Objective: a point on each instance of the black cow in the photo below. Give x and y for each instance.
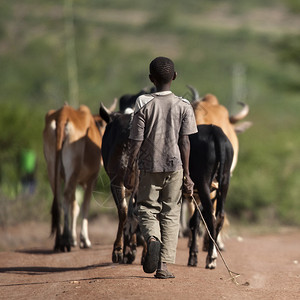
(210, 161)
(128, 100)
(115, 157)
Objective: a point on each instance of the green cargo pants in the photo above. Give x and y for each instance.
(159, 203)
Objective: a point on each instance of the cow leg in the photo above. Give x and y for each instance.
(187, 211)
(56, 209)
(183, 226)
(222, 234)
(194, 225)
(56, 218)
(68, 204)
(56, 226)
(204, 193)
(84, 236)
(130, 245)
(131, 230)
(220, 242)
(191, 208)
(220, 214)
(66, 238)
(206, 238)
(74, 215)
(57, 246)
(211, 258)
(130, 240)
(220, 210)
(119, 197)
(131, 236)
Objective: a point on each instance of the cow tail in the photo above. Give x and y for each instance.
(221, 157)
(55, 211)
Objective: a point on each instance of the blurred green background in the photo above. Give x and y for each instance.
(238, 50)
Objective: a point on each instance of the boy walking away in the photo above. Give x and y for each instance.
(159, 140)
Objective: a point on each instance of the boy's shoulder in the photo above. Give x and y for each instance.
(185, 100)
(144, 99)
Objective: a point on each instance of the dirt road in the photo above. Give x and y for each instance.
(269, 268)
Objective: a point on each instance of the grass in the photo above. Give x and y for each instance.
(115, 41)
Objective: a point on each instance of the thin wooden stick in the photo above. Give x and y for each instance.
(233, 275)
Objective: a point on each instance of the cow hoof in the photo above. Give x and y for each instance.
(117, 256)
(58, 245)
(192, 263)
(56, 249)
(73, 242)
(211, 263)
(193, 260)
(65, 242)
(64, 248)
(211, 266)
(129, 257)
(85, 243)
(221, 246)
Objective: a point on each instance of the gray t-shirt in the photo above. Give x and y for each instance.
(158, 121)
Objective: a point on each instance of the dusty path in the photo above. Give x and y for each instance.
(269, 266)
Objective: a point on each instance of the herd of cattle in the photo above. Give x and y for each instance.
(77, 143)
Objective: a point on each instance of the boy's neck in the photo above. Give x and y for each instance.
(163, 87)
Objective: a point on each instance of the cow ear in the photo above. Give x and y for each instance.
(104, 113)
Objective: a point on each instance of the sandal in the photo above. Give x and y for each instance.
(162, 274)
(152, 255)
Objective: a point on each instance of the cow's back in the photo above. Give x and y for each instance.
(80, 145)
(203, 160)
(114, 145)
(209, 111)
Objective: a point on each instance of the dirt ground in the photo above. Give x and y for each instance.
(269, 268)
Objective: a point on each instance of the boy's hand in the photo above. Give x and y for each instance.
(188, 186)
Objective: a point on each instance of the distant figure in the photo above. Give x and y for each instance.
(27, 168)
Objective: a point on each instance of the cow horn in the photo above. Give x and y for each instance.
(104, 113)
(194, 93)
(241, 114)
(241, 127)
(114, 105)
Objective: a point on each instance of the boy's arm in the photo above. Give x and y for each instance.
(184, 147)
(133, 150)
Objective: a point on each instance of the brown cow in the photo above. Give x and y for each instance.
(72, 148)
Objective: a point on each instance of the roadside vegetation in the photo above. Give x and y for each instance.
(246, 51)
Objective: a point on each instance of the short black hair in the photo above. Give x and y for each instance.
(162, 68)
